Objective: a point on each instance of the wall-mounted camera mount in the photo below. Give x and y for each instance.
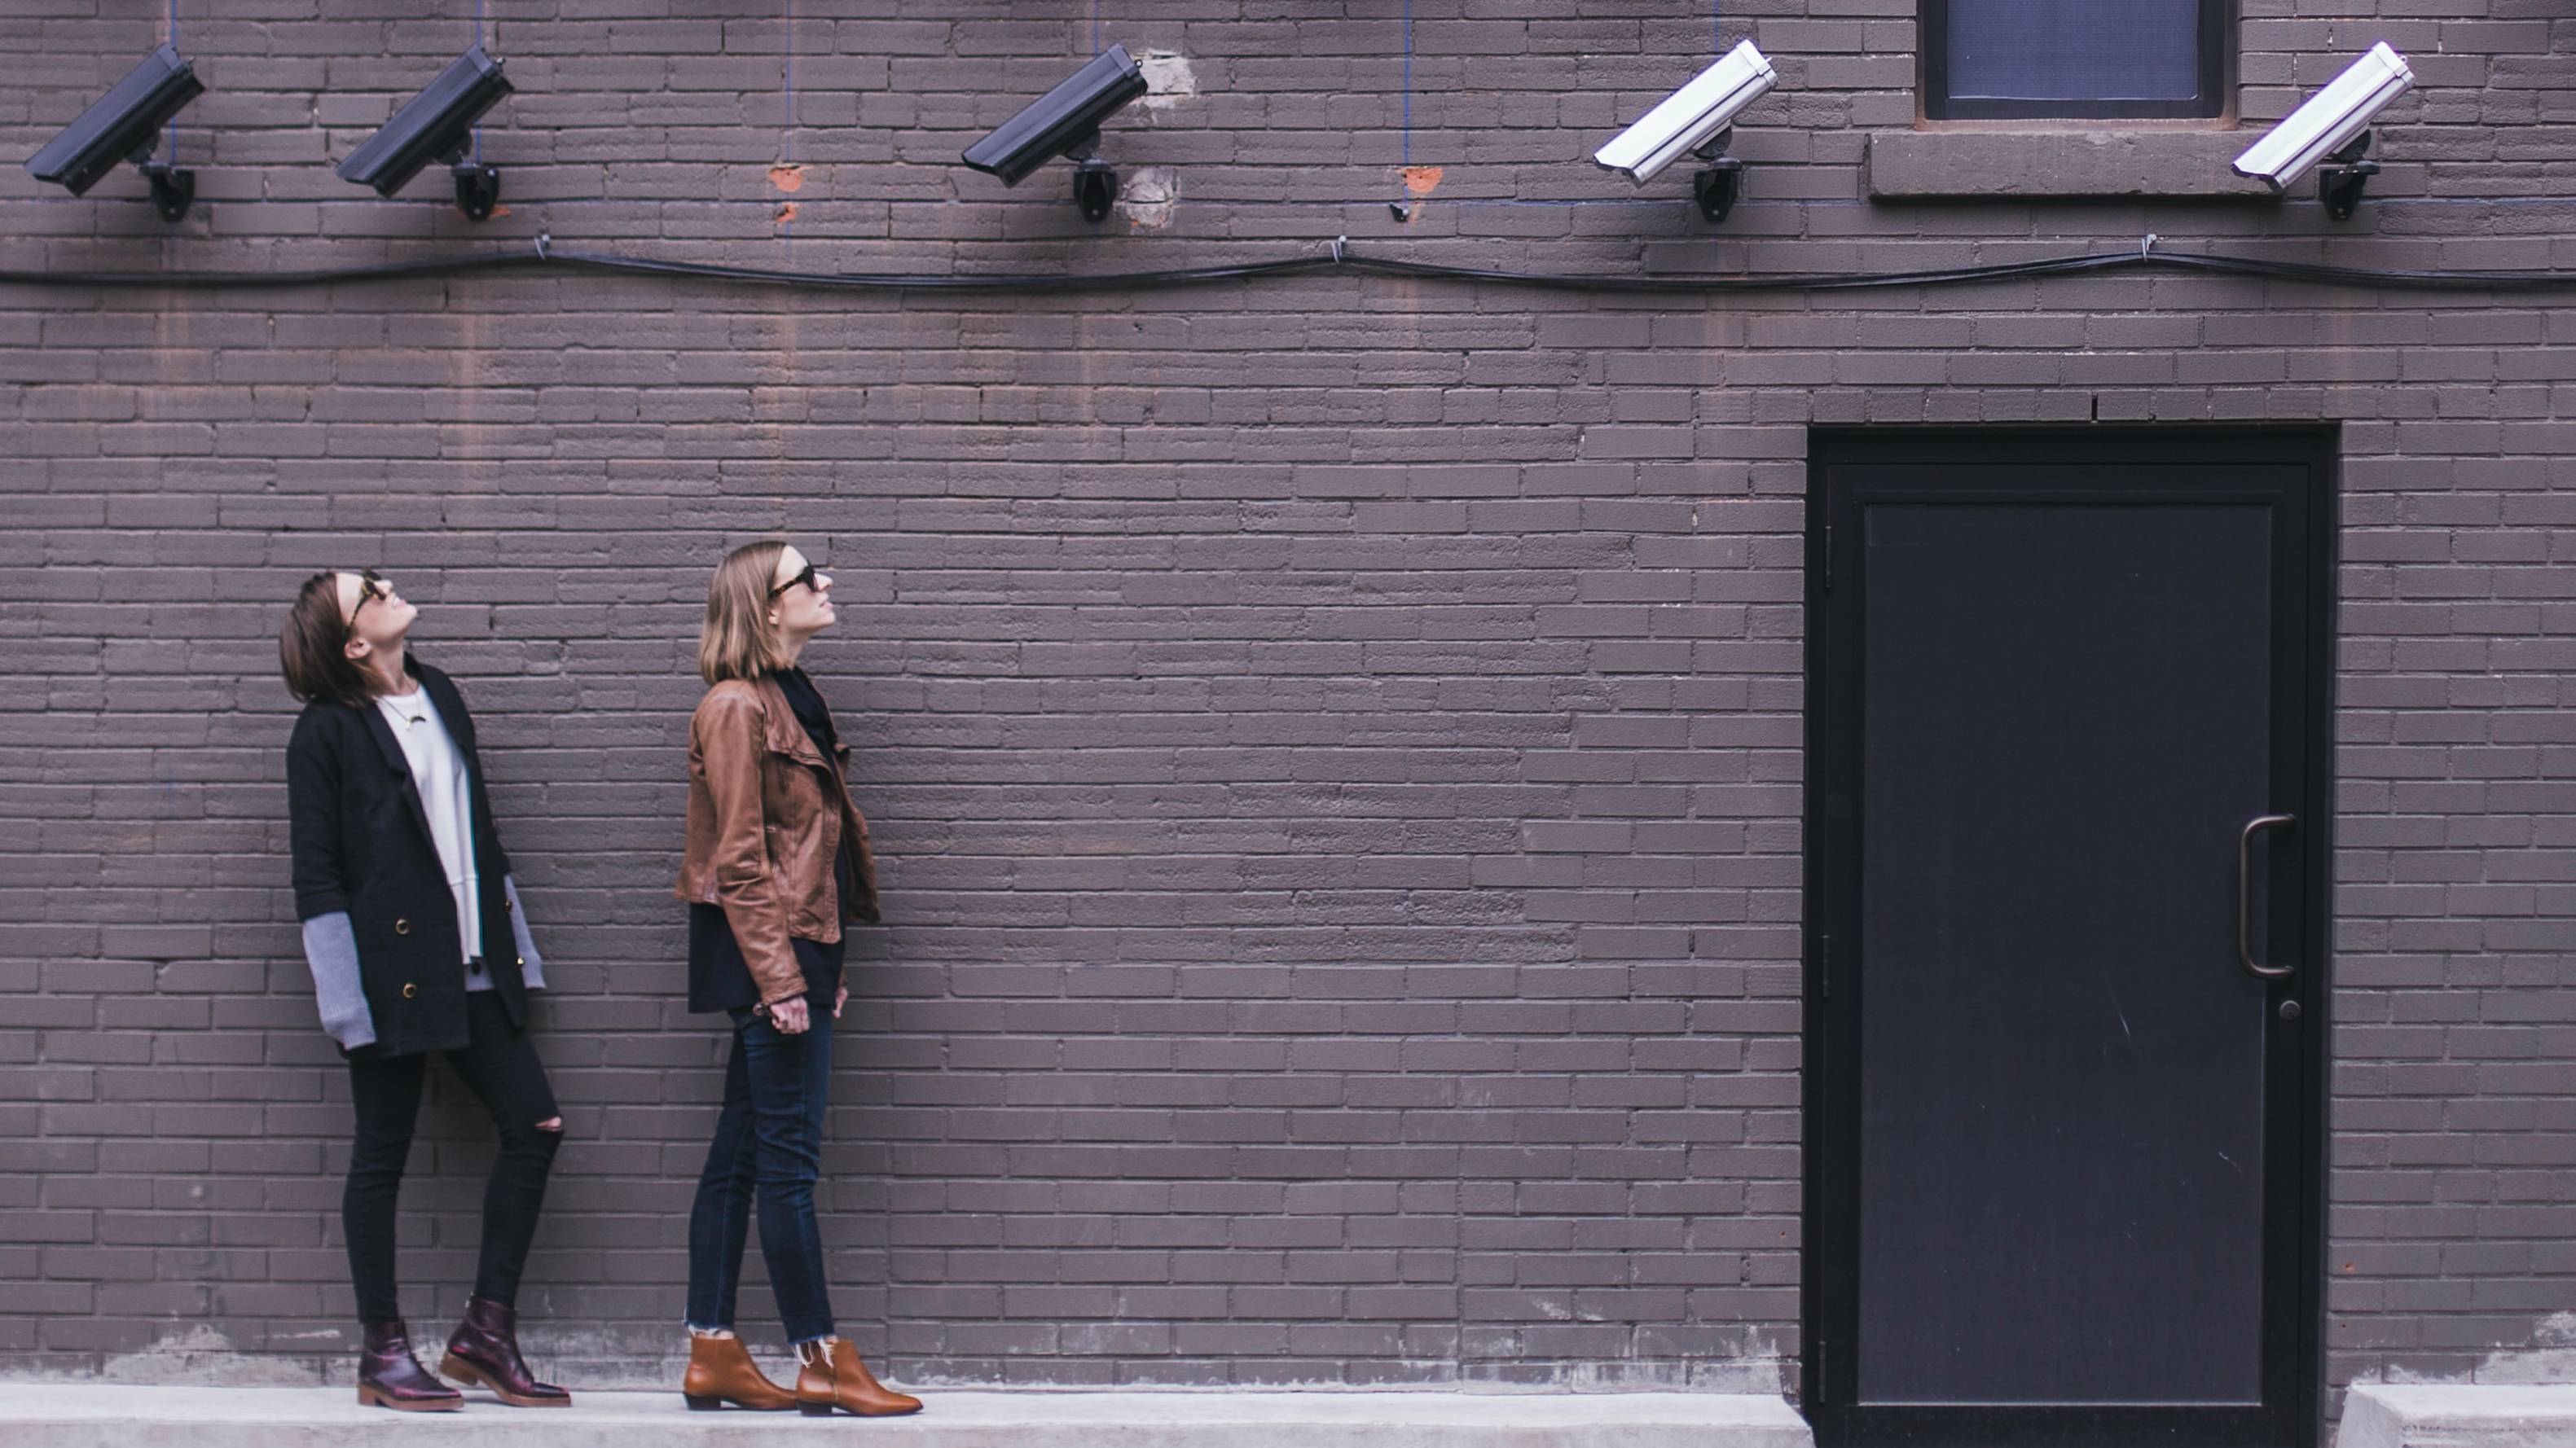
(2341, 179)
(478, 187)
(1095, 182)
(1720, 180)
(120, 127)
(173, 187)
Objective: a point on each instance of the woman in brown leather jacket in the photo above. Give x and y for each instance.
(777, 862)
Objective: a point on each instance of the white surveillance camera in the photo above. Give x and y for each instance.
(1690, 117)
(2328, 121)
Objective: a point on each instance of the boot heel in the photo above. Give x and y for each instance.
(815, 1410)
(377, 1398)
(700, 1404)
(458, 1368)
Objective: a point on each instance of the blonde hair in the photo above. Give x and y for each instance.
(736, 641)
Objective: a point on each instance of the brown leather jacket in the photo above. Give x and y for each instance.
(767, 815)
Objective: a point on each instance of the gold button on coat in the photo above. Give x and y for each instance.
(402, 927)
(523, 961)
(410, 990)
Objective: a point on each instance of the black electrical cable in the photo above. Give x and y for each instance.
(433, 266)
(947, 282)
(1771, 282)
(2142, 259)
(1339, 260)
(2322, 275)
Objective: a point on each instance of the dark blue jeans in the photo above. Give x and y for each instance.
(769, 1135)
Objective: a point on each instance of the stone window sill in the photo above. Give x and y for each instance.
(2018, 165)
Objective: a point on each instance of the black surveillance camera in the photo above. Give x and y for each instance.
(437, 125)
(121, 127)
(1066, 122)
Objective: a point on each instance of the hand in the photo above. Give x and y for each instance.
(839, 1001)
(789, 1016)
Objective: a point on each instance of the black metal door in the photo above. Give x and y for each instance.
(2067, 814)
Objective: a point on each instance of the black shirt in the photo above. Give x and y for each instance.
(816, 716)
(719, 978)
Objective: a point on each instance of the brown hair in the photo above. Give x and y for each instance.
(312, 649)
(736, 642)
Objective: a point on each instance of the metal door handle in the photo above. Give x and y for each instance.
(2245, 895)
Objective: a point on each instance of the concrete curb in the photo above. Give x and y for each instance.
(101, 1416)
(2443, 1415)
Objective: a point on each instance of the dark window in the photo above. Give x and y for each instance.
(2080, 58)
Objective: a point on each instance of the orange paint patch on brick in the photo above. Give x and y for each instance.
(1421, 179)
(789, 179)
(786, 212)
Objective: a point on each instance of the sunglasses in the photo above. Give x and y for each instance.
(804, 576)
(370, 587)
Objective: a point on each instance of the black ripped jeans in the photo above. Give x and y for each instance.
(500, 1066)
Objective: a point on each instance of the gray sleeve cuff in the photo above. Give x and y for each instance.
(331, 949)
(532, 966)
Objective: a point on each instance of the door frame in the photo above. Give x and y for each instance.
(1828, 1286)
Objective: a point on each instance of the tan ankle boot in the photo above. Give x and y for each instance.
(834, 1378)
(721, 1371)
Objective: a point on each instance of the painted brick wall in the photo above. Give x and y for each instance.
(1334, 744)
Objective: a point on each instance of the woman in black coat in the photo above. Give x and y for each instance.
(413, 931)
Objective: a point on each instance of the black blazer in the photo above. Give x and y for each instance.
(362, 844)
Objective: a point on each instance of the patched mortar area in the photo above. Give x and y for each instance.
(1168, 78)
(1146, 196)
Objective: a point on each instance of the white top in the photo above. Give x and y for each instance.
(444, 794)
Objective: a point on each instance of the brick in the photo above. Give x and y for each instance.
(1335, 745)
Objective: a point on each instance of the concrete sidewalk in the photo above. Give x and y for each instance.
(52, 1415)
(2464, 1415)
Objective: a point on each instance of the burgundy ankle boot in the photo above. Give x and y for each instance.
(485, 1351)
(390, 1377)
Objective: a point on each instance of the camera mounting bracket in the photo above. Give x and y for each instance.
(2341, 179)
(1095, 188)
(1095, 181)
(173, 187)
(478, 187)
(1717, 185)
